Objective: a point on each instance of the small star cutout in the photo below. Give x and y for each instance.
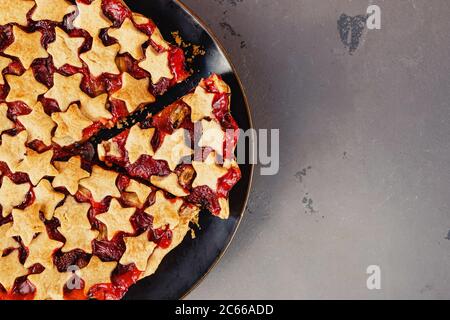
(97, 272)
(139, 143)
(6, 242)
(66, 90)
(157, 64)
(12, 195)
(15, 13)
(26, 224)
(213, 136)
(141, 192)
(12, 149)
(4, 63)
(26, 46)
(201, 103)
(138, 250)
(101, 59)
(134, 92)
(95, 108)
(24, 88)
(170, 184)
(64, 49)
(37, 165)
(41, 251)
(47, 10)
(70, 126)
(75, 225)
(69, 174)
(164, 211)
(130, 39)
(38, 124)
(91, 18)
(47, 198)
(101, 184)
(117, 219)
(5, 123)
(208, 172)
(10, 270)
(50, 283)
(173, 149)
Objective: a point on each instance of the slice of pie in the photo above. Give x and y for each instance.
(71, 227)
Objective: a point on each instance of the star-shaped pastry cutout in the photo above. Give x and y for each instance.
(138, 250)
(69, 174)
(75, 225)
(165, 211)
(134, 92)
(26, 46)
(4, 63)
(117, 219)
(15, 12)
(141, 192)
(213, 136)
(41, 251)
(173, 149)
(170, 184)
(10, 270)
(101, 184)
(47, 10)
(37, 165)
(12, 195)
(91, 17)
(101, 59)
(12, 149)
(6, 242)
(38, 124)
(5, 123)
(208, 172)
(97, 272)
(66, 90)
(47, 198)
(95, 108)
(50, 283)
(201, 103)
(64, 49)
(70, 126)
(157, 64)
(26, 224)
(139, 143)
(24, 88)
(130, 39)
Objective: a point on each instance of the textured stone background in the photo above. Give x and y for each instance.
(365, 150)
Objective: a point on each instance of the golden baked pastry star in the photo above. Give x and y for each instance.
(37, 165)
(101, 183)
(201, 103)
(69, 174)
(15, 12)
(134, 92)
(47, 198)
(38, 124)
(97, 272)
(165, 211)
(139, 143)
(173, 148)
(138, 250)
(117, 219)
(47, 10)
(157, 64)
(12, 195)
(26, 224)
(70, 126)
(64, 49)
(91, 18)
(10, 270)
(208, 172)
(24, 88)
(130, 39)
(101, 59)
(66, 90)
(41, 251)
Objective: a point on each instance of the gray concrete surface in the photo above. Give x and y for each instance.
(373, 129)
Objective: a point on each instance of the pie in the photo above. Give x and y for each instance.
(81, 220)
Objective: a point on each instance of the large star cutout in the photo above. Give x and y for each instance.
(138, 250)
(165, 211)
(130, 39)
(50, 283)
(41, 251)
(97, 272)
(5, 123)
(213, 136)
(6, 242)
(10, 270)
(15, 13)
(66, 90)
(38, 124)
(12, 195)
(117, 219)
(64, 49)
(37, 165)
(134, 92)
(47, 10)
(26, 224)
(101, 59)
(170, 184)
(70, 126)
(47, 198)
(4, 63)
(157, 64)
(95, 108)
(75, 225)
(26, 46)
(201, 103)
(24, 88)
(208, 172)
(69, 174)
(12, 149)
(173, 149)
(101, 184)
(91, 18)
(139, 143)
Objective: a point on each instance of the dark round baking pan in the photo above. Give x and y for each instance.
(183, 269)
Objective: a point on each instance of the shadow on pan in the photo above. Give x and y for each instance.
(186, 266)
